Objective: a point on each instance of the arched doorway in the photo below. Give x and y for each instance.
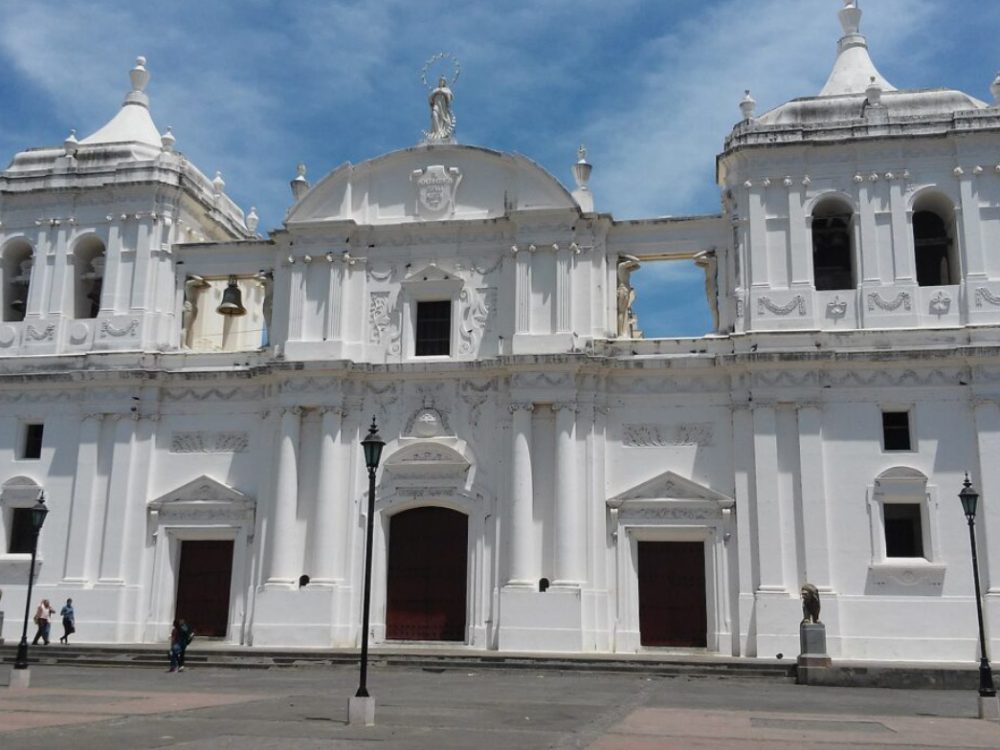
(427, 575)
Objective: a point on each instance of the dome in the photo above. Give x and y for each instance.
(855, 81)
(432, 182)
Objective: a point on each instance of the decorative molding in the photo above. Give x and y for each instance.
(477, 306)
(902, 300)
(667, 512)
(655, 436)
(764, 304)
(940, 304)
(836, 309)
(378, 316)
(209, 442)
(110, 329)
(427, 422)
(516, 406)
(985, 295)
(33, 334)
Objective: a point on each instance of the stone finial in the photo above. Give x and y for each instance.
(850, 17)
(218, 184)
(253, 220)
(300, 185)
(995, 89)
(582, 169)
(168, 140)
(748, 106)
(874, 93)
(139, 74)
(71, 144)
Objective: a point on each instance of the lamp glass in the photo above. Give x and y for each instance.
(969, 498)
(373, 445)
(38, 512)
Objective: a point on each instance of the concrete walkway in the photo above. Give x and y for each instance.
(440, 709)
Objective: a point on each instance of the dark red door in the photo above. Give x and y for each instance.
(425, 596)
(672, 594)
(206, 572)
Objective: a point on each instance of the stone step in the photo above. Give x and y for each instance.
(245, 658)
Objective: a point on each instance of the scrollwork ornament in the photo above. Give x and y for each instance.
(516, 406)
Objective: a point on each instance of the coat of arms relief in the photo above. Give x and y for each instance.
(436, 189)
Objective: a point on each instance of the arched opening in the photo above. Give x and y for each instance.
(427, 575)
(16, 264)
(934, 241)
(833, 249)
(89, 257)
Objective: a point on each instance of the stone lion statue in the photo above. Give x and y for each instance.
(810, 603)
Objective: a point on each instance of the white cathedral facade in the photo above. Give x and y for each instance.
(551, 481)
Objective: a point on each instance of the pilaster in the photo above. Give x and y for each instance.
(82, 499)
(970, 227)
(282, 569)
(570, 531)
(520, 529)
(812, 481)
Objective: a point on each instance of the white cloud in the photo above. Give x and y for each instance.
(654, 149)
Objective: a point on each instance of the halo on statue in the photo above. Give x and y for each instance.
(437, 66)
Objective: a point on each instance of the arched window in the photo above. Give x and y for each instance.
(89, 283)
(934, 242)
(833, 250)
(16, 264)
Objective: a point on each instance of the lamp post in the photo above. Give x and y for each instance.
(970, 498)
(38, 513)
(362, 706)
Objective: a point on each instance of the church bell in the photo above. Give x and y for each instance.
(232, 300)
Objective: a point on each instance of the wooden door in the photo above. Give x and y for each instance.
(672, 594)
(427, 574)
(203, 584)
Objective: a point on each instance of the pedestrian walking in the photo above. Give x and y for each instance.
(42, 616)
(175, 646)
(186, 636)
(69, 621)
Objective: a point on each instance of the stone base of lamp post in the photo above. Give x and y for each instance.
(20, 679)
(989, 708)
(361, 711)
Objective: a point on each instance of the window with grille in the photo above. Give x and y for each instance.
(433, 329)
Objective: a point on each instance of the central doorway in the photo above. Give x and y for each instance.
(203, 584)
(427, 575)
(672, 608)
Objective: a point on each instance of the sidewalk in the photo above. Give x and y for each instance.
(462, 708)
(917, 675)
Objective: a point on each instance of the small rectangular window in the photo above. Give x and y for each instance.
(21, 534)
(896, 431)
(32, 441)
(904, 536)
(433, 329)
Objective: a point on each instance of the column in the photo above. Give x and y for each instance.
(869, 250)
(799, 239)
(332, 497)
(765, 446)
(522, 291)
(282, 569)
(520, 529)
(987, 414)
(813, 488)
(743, 462)
(35, 304)
(969, 229)
(82, 499)
(122, 464)
(564, 261)
(902, 233)
(296, 299)
(139, 294)
(112, 269)
(759, 274)
(571, 529)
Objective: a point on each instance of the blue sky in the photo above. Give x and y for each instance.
(253, 87)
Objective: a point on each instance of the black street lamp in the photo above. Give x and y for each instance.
(970, 498)
(38, 513)
(373, 444)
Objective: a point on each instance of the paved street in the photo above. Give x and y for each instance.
(305, 707)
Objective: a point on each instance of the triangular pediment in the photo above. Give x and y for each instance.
(670, 487)
(203, 492)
